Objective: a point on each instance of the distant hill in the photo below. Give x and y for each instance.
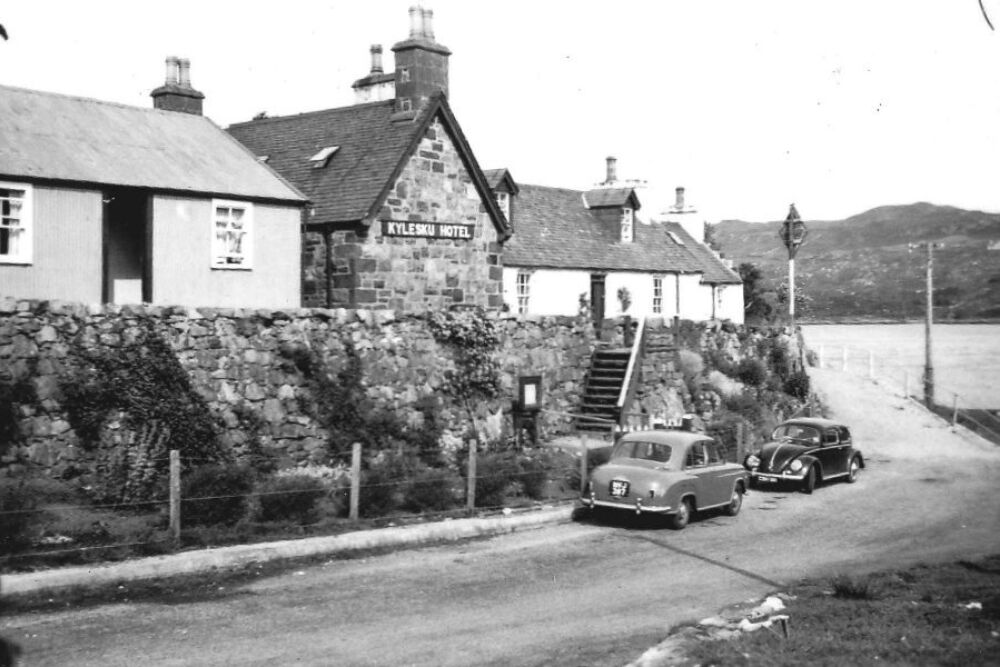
(862, 267)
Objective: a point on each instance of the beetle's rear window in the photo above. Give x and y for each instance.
(637, 449)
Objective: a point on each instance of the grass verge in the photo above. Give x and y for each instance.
(927, 615)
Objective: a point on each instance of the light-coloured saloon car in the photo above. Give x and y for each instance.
(672, 473)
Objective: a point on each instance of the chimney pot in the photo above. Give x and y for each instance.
(416, 22)
(680, 199)
(376, 52)
(172, 71)
(612, 170)
(185, 72)
(428, 20)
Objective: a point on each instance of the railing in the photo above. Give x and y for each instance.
(909, 383)
(630, 382)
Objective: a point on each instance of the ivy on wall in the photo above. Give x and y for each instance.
(131, 404)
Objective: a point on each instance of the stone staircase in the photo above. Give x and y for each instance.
(603, 387)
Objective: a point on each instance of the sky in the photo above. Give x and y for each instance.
(836, 105)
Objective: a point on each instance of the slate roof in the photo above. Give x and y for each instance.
(556, 230)
(48, 136)
(373, 148)
(494, 177)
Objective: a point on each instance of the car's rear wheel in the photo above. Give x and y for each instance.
(809, 483)
(853, 470)
(736, 502)
(683, 515)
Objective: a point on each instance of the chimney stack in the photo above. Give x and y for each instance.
(421, 65)
(376, 51)
(176, 93)
(612, 170)
(679, 204)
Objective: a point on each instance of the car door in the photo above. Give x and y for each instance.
(832, 453)
(713, 478)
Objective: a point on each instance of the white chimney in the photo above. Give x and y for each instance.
(428, 16)
(680, 199)
(173, 72)
(184, 76)
(416, 22)
(612, 170)
(376, 52)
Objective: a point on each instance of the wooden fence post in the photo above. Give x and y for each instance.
(355, 481)
(470, 489)
(954, 409)
(584, 450)
(175, 495)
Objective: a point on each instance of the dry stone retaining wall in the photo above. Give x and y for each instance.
(239, 360)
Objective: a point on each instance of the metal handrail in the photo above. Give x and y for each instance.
(630, 371)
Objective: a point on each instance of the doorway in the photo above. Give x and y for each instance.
(126, 247)
(597, 299)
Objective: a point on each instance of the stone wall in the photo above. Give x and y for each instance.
(238, 361)
(370, 270)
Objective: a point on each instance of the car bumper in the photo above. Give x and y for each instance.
(769, 477)
(638, 507)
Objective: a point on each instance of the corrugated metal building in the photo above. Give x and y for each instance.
(103, 202)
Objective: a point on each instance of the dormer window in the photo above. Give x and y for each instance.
(503, 201)
(322, 158)
(628, 218)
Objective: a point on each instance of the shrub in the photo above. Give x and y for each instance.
(848, 588)
(751, 372)
(17, 516)
(432, 489)
(494, 474)
(725, 385)
(533, 473)
(13, 395)
(216, 494)
(797, 385)
(383, 483)
(290, 498)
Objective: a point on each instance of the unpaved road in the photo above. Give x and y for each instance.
(573, 594)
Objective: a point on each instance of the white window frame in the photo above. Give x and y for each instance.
(503, 201)
(628, 225)
(25, 225)
(523, 291)
(220, 255)
(657, 295)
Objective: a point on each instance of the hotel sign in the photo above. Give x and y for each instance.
(427, 230)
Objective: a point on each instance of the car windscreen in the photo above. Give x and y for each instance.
(639, 449)
(797, 433)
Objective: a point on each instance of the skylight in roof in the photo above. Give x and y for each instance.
(676, 239)
(263, 158)
(321, 158)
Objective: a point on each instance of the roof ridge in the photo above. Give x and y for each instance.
(94, 100)
(315, 112)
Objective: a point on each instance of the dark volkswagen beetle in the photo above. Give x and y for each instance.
(806, 451)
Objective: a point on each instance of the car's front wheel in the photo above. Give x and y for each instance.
(735, 503)
(809, 483)
(683, 515)
(853, 470)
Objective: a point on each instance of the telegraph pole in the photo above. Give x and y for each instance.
(928, 362)
(793, 234)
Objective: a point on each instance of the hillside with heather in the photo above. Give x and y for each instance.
(864, 267)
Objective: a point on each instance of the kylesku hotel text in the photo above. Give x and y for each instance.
(431, 230)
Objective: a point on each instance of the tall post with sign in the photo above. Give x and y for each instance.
(928, 357)
(793, 234)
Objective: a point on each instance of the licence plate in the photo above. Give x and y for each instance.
(766, 480)
(619, 488)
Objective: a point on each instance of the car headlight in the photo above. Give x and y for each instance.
(795, 465)
(752, 461)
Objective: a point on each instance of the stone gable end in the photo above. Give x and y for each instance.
(441, 248)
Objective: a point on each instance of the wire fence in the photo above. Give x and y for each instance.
(339, 501)
(909, 383)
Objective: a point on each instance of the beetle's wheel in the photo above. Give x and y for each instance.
(809, 483)
(853, 470)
